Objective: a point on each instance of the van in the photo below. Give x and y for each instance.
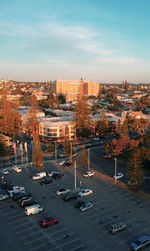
(34, 209)
(39, 175)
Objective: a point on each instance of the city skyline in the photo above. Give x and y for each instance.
(103, 41)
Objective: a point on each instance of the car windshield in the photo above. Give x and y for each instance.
(138, 242)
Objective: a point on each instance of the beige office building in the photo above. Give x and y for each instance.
(74, 89)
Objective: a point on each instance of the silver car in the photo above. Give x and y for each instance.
(140, 243)
(117, 227)
(86, 206)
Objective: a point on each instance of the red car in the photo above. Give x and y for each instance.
(48, 221)
(107, 155)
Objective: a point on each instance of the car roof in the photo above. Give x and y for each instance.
(143, 238)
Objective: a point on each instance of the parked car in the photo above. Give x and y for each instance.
(69, 196)
(34, 209)
(29, 203)
(87, 205)
(48, 221)
(15, 189)
(62, 162)
(20, 195)
(6, 186)
(45, 181)
(39, 175)
(78, 203)
(24, 200)
(62, 191)
(107, 155)
(88, 174)
(117, 227)
(17, 169)
(51, 173)
(118, 176)
(85, 192)
(140, 243)
(58, 175)
(65, 163)
(4, 171)
(4, 197)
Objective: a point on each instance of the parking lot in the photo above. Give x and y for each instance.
(76, 230)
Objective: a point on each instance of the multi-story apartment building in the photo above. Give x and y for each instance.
(74, 89)
(56, 128)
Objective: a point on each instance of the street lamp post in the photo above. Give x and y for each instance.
(88, 159)
(55, 150)
(75, 167)
(115, 169)
(71, 151)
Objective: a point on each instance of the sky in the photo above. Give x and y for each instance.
(99, 40)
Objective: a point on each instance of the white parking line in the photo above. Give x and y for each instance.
(69, 242)
(30, 227)
(31, 242)
(59, 231)
(18, 226)
(29, 234)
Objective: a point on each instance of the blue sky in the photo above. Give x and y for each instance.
(99, 40)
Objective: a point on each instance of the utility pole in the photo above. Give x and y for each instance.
(115, 169)
(75, 167)
(88, 159)
(55, 150)
(71, 151)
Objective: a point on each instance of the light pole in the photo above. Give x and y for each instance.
(71, 151)
(115, 170)
(75, 167)
(55, 150)
(88, 159)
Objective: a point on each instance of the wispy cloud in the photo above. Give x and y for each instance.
(62, 44)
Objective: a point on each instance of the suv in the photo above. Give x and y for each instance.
(140, 243)
(117, 227)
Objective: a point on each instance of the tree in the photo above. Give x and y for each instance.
(51, 100)
(82, 118)
(84, 157)
(95, 107)
(102, 124)
(50, 148)
(101, 127)
(3, 149)
(61, 99)
(10, 119)
(140, 125)
(16, 119)
(67, 142)
(37, 153)
(32, 121)
(118, 127)
(134, 170)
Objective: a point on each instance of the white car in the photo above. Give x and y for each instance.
(62, 191)
(4, 171)
(87, 205)
(88, 174)
(62, 162)
(85, 192)
(51, 173)
(4, 197)
(15, 189)
(17, 169)
(118, 176)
